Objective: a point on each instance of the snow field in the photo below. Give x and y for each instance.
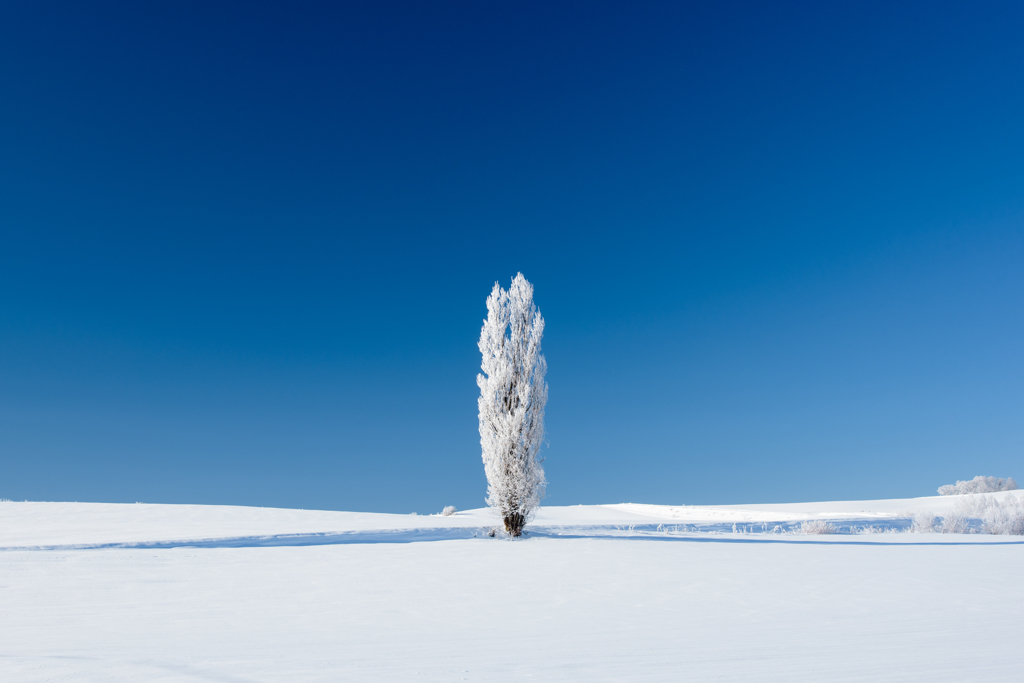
(543, 609)
(651, 607)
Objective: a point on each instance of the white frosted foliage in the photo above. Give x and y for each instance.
(979, 484)
(513, 394)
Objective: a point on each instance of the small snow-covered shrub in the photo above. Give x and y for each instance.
(449, 510)
(978, 485)
(924, 523)
(818, 526)
(1004, 521)
(955, 522)
(880, 530)
(1003, 517)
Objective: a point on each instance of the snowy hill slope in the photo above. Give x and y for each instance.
(96, 592)
(80, 525)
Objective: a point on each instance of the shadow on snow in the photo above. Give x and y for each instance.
(851, 532)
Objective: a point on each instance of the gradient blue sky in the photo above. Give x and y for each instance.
(246, 247)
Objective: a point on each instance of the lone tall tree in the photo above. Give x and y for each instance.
(512, 397)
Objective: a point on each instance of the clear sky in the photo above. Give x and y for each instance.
(246, 247)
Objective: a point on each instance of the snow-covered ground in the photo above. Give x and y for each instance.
(95, 592)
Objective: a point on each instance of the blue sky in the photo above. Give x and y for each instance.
(246, 247)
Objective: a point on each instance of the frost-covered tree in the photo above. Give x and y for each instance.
(512, 398)
(979, 484)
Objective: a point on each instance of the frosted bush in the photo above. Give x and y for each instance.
(449, 511)
(978, 485)
(818, 526)
(880, 530)
(924, 523)
(1004, 517)
(955, 523)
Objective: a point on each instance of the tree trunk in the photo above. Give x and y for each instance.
(514, 524)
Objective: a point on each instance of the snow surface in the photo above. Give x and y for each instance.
(97, 592)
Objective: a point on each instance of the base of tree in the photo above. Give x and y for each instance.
(514, 524)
